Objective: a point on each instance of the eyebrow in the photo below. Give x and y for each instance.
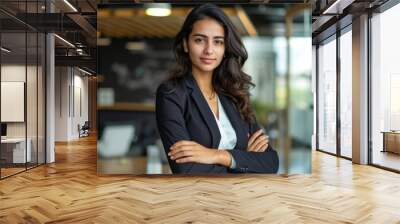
(202, 35)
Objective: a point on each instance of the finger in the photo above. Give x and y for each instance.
(258, 140)
(185, 142)
(179, 149)
(254, 149)
(182, 154)
(263, 148)
(186, 160)
(182, 142)
(254, 136)
(251, 149)
(260, 144)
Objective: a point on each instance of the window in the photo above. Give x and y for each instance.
(346, 94)
(327, 97)
(385, 89)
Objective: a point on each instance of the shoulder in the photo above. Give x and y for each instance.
(171, 98)
(172, 93)
(170, 87)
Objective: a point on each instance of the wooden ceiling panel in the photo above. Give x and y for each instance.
(134, 23)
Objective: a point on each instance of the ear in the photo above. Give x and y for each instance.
(185, 48)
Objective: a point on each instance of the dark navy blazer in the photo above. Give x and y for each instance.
(183, 113)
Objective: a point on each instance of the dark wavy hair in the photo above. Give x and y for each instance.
(228, 78)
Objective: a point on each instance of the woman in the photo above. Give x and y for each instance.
(203, 110)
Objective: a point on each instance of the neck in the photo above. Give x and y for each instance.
(204, 80)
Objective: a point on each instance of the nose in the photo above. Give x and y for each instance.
(209, 49)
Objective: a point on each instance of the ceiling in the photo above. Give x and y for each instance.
(76, 24)
(125, 18)
(329, 16)
(133, 22)
(250, 20)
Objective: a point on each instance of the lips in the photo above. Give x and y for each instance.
(207, 61)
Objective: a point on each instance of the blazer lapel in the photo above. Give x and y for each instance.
(204, 109)
(236, 121)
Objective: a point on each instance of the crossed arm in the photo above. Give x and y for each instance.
(184, 151)
(187, 156)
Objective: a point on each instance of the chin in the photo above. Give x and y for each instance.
(207, 68)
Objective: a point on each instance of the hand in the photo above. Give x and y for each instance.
(258, 142)
(189, 151)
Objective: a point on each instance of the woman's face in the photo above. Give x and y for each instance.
(205, 45)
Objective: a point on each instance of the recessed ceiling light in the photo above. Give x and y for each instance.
(103, 41)
(5, 50)
(158, 9)
(337, 7)
(84, 71)
(135, 46)
(70, 5)
(65, 41)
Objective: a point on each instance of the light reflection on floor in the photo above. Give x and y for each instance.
(386, 159)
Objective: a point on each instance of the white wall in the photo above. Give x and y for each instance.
(12, 73)
(71, 87)
(61, 103)
(33, 126)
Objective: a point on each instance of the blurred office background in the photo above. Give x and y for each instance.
(135, 55)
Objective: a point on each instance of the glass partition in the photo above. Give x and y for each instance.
(22, 89)
(327, 96)
(14, 153)
(346, 94)
(385, 89)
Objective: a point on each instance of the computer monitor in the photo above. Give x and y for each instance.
(3, 129)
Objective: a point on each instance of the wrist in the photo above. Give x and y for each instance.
(223, 158)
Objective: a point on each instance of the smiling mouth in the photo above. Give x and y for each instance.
(207, 60)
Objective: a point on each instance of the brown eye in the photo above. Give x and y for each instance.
(198, 40)
(219, 42)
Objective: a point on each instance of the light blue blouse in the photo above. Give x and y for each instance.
(228, 134)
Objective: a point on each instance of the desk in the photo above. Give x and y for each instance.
(16, 148)
(391, 141)
(131, 165)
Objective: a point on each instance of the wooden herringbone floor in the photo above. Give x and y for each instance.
(69, 191)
